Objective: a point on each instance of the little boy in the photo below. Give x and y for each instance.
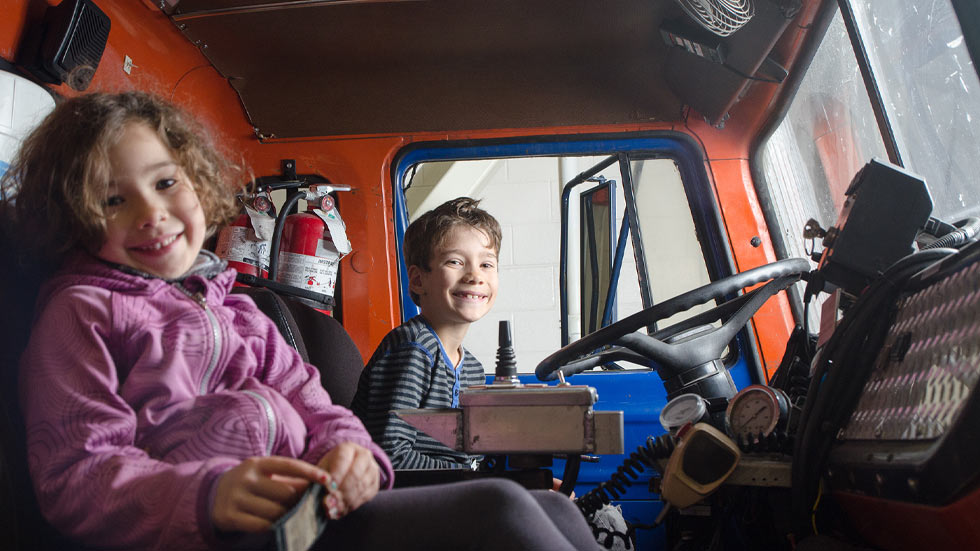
(451, 254)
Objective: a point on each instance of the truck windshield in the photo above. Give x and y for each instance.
(930, 98)
(931, 94)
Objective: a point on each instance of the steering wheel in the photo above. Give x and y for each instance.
(683, 355)
(687, 350)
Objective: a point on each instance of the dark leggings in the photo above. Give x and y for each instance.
(487, 514)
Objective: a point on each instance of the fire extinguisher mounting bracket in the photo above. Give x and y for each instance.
(272, 183)
(319, 195)
(325, 301)
(289, 180)
(325, 189)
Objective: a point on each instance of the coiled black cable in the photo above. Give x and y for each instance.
(644, 457)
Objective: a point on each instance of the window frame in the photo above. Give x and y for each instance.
(679, 147)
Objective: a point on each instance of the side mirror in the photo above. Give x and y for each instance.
(597, 216)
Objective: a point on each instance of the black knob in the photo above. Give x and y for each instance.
(506, 371)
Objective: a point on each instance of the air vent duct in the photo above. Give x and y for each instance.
(72, 39)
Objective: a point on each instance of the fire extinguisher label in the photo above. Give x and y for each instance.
(239, 244)
(262, 223)
(313, 273)
(336, 228)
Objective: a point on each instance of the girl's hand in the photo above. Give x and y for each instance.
(354, 478)
(253, 495)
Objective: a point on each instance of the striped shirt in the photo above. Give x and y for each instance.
(410, 369)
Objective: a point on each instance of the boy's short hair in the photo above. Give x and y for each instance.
(432, 229)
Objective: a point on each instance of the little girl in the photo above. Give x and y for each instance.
(163, 412)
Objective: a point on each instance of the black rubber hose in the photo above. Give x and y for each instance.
(965, 231)
(858, 316)
(277, 233)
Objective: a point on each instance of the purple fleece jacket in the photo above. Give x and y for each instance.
(137, 398)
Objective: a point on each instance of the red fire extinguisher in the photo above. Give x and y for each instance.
(311, 246)
(245, 243)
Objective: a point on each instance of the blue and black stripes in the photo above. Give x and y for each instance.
(409, 370)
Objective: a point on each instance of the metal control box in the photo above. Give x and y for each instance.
(518, 419)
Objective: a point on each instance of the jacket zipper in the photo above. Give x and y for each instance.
(202, 301)
(270, 418)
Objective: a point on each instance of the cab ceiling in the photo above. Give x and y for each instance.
(308, 68)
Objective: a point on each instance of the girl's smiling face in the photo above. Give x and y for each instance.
(154, 220)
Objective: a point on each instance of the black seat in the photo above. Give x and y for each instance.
(21, 523)
(320, 340)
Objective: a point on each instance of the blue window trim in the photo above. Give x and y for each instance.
(678, 146)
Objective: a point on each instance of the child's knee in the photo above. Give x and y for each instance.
(498, 493)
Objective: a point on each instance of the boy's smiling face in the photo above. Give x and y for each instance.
(461, 285)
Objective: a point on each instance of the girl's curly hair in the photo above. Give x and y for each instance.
(54, 192)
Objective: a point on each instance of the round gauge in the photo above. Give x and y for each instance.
(686, 408)
(756, 411)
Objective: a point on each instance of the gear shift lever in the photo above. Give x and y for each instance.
(506, 371)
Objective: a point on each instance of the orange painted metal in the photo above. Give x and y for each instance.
(728, 150)
(744, 220)
(13, 23)
(163, 61)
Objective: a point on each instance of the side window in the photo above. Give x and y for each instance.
(931, 95)
(524, 194)
(828, 134)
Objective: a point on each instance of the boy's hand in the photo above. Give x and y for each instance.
(556, 486)
(354, 478)
(253, 495)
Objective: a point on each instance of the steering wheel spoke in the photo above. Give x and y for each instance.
(602, 357)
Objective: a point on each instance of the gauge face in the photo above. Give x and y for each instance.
(756, 410)
(686, 408)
